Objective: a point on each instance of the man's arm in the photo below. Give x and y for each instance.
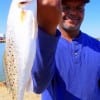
(44, 65)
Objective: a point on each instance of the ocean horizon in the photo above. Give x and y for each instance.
(2, 74)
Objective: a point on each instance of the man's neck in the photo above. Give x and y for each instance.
(69, 35)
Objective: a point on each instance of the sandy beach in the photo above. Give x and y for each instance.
(4, 95)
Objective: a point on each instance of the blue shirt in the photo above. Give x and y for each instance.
(67, 70)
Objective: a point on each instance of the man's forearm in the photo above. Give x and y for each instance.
(44, 65)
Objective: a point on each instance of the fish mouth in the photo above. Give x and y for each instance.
(24, 2)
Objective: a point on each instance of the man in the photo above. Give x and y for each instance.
(66, 67)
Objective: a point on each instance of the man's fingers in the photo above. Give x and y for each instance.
(49, 13)
(49, 2)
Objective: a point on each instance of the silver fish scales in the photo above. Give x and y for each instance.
(20, 47)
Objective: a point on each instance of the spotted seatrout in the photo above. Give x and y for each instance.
(20, 47)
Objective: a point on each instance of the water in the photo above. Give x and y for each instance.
(2, 75)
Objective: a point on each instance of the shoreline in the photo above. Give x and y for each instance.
(4, 94)
(2, 84)
(2, 41)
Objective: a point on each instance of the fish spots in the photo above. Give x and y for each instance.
(11, 68)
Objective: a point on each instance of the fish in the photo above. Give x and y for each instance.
(20, 47)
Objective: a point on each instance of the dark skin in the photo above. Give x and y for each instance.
(49, 15)
(72, 17)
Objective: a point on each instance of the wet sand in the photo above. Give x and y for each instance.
(4, 94)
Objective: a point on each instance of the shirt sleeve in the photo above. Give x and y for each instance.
(44, 64)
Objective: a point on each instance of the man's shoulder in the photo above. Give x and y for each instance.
(90, 38)
(91, 41)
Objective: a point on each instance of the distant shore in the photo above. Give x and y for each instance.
(2, 40)
(2, 84)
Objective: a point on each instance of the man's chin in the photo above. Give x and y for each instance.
(71, 28)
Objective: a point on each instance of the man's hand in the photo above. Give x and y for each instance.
(49, 15)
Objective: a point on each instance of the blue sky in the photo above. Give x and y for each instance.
(90, 25)
(4, 8)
